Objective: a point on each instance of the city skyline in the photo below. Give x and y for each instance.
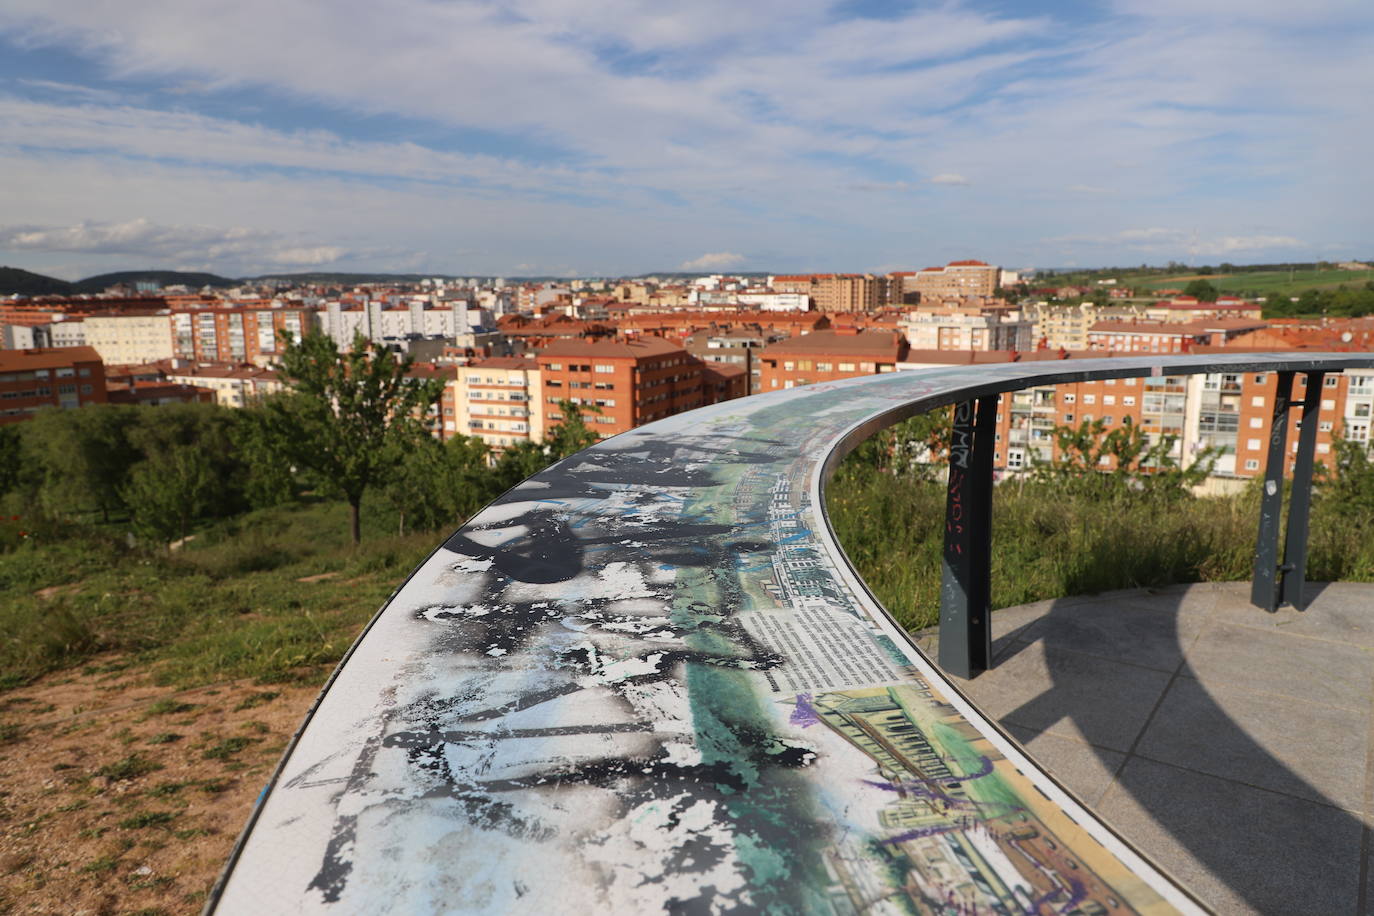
(543, 138)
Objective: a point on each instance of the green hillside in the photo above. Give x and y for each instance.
(27, 283)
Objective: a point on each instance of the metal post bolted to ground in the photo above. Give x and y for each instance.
(1293, 573)
(965, 581)
(1264, 588)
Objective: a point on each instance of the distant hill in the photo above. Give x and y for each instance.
(27, 283)
(99, 283)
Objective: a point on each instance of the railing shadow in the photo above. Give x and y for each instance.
(1184, 773)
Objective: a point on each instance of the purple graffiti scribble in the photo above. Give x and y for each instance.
(920, 832)
(804, 715)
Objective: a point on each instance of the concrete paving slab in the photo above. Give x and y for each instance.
(1097, 700)
(1341, 612)
(1153, 635)
(1311, 751)
(1240, 849)
(1278, 661)
(1086, 770)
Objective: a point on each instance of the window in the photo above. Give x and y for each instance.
(1257, 422)
(824, 367)
(601, 367)
(1252, 444)
(1107, 419)
(1257, 401)
(85, 373)
(1259, 379)
(788, 366)
(554, 367)
(66, 372)
(1089, 399)
(1128, 400)
(1331, 381)
(1324, 426)
(1252, 464)
(1068, 418)
(1323, 448)
(1108, 399)
(1069, 398)
(1328, 404)
(847, 367)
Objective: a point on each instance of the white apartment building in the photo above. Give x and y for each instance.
(130, 338)
(956, 326)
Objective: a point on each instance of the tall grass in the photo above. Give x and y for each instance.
(1047, 543)
(229, 604)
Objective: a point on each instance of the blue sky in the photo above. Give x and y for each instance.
(618, 136)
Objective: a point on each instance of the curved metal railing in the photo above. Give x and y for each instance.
(647, 679)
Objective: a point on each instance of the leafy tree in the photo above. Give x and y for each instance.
(170, 490)
(11, 458)
(571, 435)
(1347, 487)
(517, 462)
(267, 470)
(208, 432)
(80, 459)
(916, 447)
(348, 417)
(1202, 290)
(1121, 463)
(441, 483)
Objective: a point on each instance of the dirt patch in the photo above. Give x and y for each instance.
(318, 577)
(119, 796)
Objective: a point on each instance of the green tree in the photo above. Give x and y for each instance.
(441, 483)
(80, 459)
(572, 434)
(1347, 487)
(1124, 462)
(11, 458)
(517, 462)
(1202, 290)
(169, 491)
(349, 418)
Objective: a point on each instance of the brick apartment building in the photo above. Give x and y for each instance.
(31, 380)
(825, 356)
(630, 382)
(1230, 413)
(955, 280)
(834, 292)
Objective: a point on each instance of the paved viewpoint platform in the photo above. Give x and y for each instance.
(1231, 745)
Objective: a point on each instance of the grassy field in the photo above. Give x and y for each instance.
(1047, 543)
(275, 595)
(1262, 282)
(147, 696)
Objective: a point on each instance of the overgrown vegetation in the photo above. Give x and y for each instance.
(1070, 529)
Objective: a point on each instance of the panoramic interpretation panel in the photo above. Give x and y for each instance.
(647, 680)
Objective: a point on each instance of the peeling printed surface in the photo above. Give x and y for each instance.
(645, 680)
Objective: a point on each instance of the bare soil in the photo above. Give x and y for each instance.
(118, 796)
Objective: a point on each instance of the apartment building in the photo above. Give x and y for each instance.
(234, 385)
(833, 292)
(130, 336)
(1066, 326)
(956, 279)
(735, 347)
(31, 380)
(825, 356)
(1165, 336)
(498, 400)
(967, 324)
(630, 382)
(239, 334)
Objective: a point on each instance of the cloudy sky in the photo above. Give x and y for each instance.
(622, 136)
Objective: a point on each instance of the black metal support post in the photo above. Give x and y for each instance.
(1293, 573)
(965, 585)
(1264, 589)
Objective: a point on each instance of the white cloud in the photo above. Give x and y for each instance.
(760, 120)
(169, 244)
(719, 260)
